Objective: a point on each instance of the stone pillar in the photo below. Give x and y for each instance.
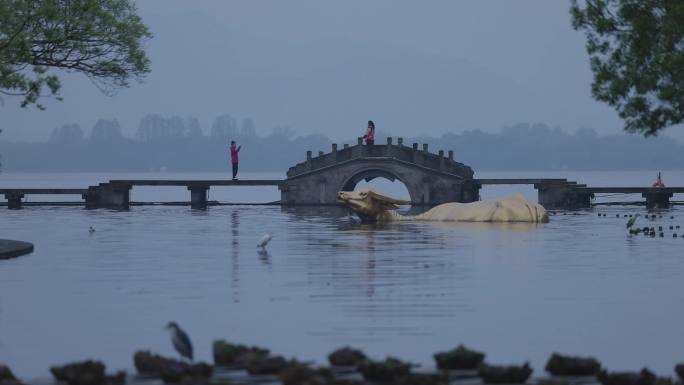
(451, 155)
(108, 195)
(400, 141)
(441, 160)
(657, 199)
(346, 145)
(470, 192)
(334, 152)
(14, 200)
(561, 196)
(426, 153)
(198, 196)
(360, 149)
(389, 140)
(308, 160)
(416, 159)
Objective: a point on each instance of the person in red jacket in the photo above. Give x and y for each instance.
(370, 133)
(234, 157)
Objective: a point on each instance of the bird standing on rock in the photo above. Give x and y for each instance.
(180, 340)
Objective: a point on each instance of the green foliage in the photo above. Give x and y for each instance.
(636, 50)
(102, 39)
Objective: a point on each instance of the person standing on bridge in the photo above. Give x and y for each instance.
(234, 157)
(370, 133)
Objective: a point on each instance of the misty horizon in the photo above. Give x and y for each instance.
(416, 70)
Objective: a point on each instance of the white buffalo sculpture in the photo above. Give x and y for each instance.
(371, 206)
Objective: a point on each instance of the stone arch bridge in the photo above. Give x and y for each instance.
(430, 179)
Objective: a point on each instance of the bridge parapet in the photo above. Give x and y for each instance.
(421, 157)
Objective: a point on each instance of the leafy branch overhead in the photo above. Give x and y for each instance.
(636, 50)
(102, 39)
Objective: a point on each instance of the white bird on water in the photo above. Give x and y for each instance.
(264, 240)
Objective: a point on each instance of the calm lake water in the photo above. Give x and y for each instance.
(577, 285)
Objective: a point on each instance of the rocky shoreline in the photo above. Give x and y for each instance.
(241, 364)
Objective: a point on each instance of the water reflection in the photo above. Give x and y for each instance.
(328, 280)
(264, 256)
(235, 253)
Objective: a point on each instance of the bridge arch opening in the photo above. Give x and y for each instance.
(379, 180)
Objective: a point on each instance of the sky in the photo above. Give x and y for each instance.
(415, 68)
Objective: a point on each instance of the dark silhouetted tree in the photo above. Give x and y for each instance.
(67, 134)
(225, 126)
(106, 131)
(102, 39)
(248, 128)
(636, 50)
(192, 128)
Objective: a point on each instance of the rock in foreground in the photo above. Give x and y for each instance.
(150, 364)
(492, 374)
(460, 358)
(346, 356)
(86, 373)
(384, 371)
(298, 374)
(679, 369)
(227, 354)
(7, 377)
(644, 377)
(560, 365)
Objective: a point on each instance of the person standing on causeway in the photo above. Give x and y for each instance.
(234, 157)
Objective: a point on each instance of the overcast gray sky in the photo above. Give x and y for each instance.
(323, 66)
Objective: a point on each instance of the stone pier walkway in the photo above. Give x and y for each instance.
(12, 249)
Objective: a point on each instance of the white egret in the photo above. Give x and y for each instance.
(264, 240)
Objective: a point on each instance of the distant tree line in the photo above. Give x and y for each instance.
(179, 144)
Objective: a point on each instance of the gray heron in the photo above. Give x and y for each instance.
(631, 221)
(180, 340)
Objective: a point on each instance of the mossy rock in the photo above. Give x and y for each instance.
(460, 358)
(493, 374)
(7, 377)
(679, 369)
(384, 371)
(150, 364)
(80, 373)
(300, 374)
(182, 372)
(644, 377)
(346, 356)
(266, 364)
(560, 365)
(422, 379)
(227, 354)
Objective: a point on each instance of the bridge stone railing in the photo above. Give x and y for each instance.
(422, 157)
